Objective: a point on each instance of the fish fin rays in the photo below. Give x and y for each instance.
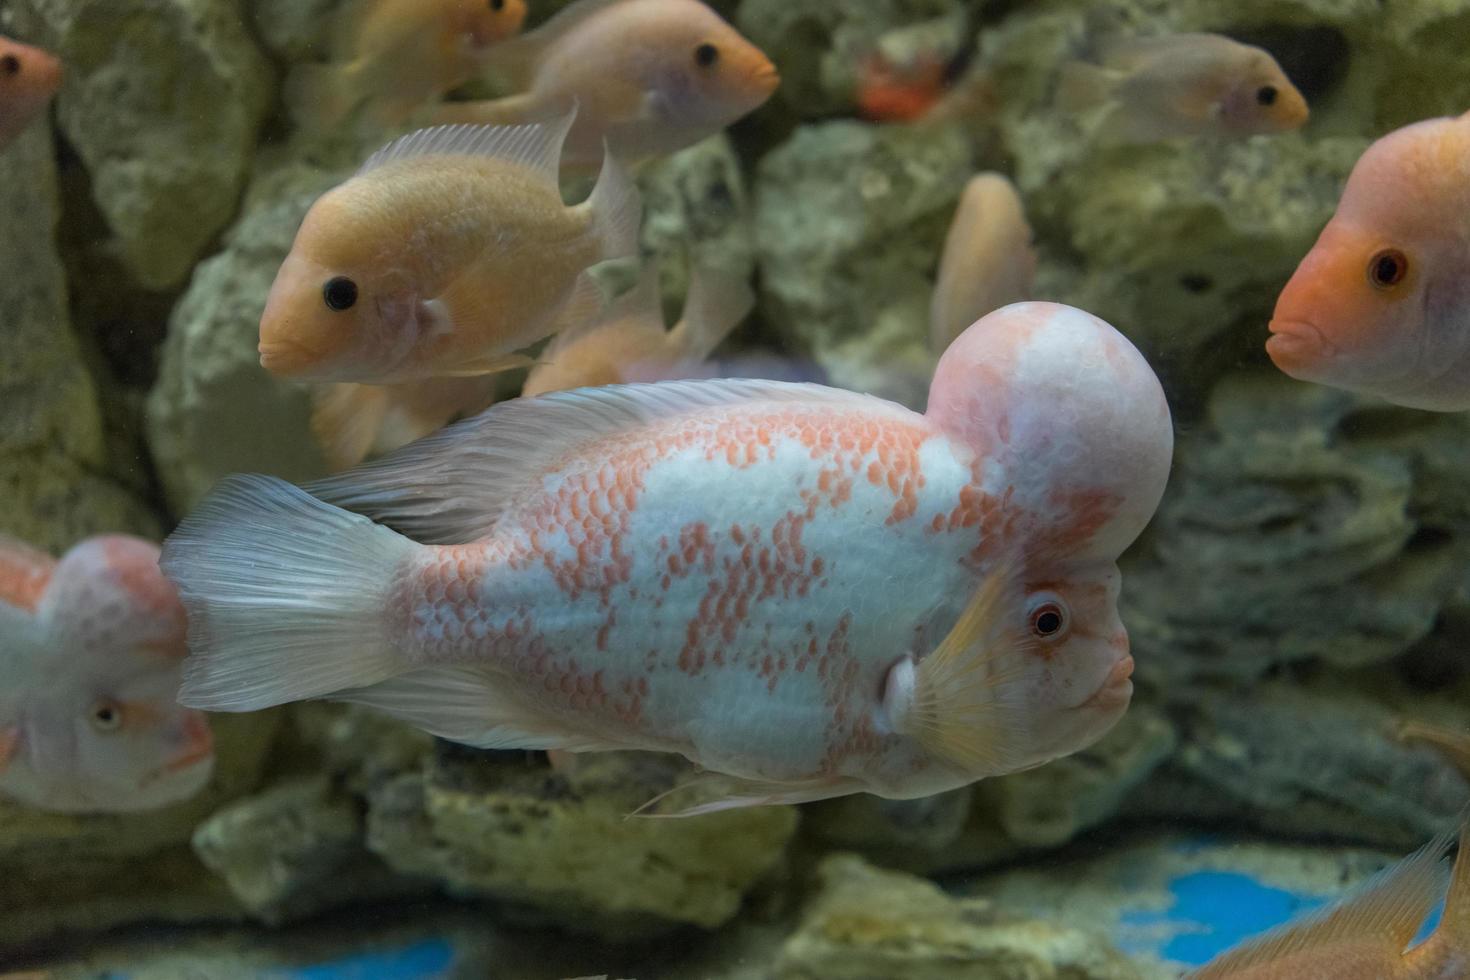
(617, 210)
(449, 488)
(712, 792)
(633, 303)
(346, 420)
(716, 304)
(535, 146)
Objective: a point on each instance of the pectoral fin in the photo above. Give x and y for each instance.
(712, 792)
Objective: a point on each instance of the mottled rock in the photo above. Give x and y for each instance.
(849, 222)
(866, 923)
(163, 100)
(561, 848)
(891, 830)
(293, 30)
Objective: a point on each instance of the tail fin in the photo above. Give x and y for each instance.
(716, 303)
(285, 596)
(1081, 86)
(617, 209)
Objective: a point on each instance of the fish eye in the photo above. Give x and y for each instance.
(706, 55)
(1048, 619)
(497, 5)
(1387, 268)
(105, 715)
(339, 293)
(9, 65)
(1266, 95)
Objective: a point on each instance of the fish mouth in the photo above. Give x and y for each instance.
(1296, 344)
(286, 358)
(1116, 689)
(767, 78)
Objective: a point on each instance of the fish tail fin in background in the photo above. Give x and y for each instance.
(321, 95)
(716, 304)
(1082, 86)
(346, 420)
(285, 596)
(1386, 911)
(617, 210)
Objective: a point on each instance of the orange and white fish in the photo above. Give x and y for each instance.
(1367, 935)
(29, 77)
(650, 77)
(629, 342)
(1381, 304)
(813, 591)
(1184, 85)
(395, 55)
(90, 650)
(988, 261)
(448, 251)
(352, 421)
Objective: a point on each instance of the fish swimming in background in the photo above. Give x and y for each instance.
(649, 77)
(352, 421)
(1367, 935)
(90, 650)
(29, 77)
(1381, 304)
(895, 93)
(1183, 85)
(629, 342)
(449, 250)
(813, 591)
(988, 261)
(1452, 743)
(394, 55)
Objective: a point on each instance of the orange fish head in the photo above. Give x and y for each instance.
(1263, 100)
(29, 77)
(485, 22)
(723, 76)
(1352, 313)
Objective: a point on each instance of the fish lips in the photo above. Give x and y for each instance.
(1298, 347)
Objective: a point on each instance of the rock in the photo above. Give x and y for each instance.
(561, 849)
(52, 447)
(163, 100)
(866, 923)
(295, 850)
(294, 30)
(891, 831)
(849, 222)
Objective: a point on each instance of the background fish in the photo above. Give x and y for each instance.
(694, 567)
(987, 261)
(29, 77)
(1381, 304)
(649, 77)
(352, 421)
(89, 672)
(448, 251)
(1183, 85)
(629, 342)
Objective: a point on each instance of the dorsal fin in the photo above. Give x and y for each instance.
(535, 146)
(24, 573)
(449, 488)
(1386, 911)
(642, 302)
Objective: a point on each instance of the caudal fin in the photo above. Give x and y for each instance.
(1082, 86)
(285, 596)
(617, 210)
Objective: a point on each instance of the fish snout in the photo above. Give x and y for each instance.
(1296, 346)
(767, 78)
(1116, 689)
(286, 359)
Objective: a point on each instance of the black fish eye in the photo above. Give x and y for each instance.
(10, 65)
(339, 293)
(497, 5)
(1266, 95)
(106, 715)
(1047, 620)
(1387, 268)
(706, 55)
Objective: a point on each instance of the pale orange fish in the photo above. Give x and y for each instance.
(650, 77)
(394, 55)
(1381, 304)
(1367, 935)
(629, 342)
(450, 250)
(1184, 85)
(352, 421)
(29, 77)
(988, 261)
(1452, 743)
(90, 651)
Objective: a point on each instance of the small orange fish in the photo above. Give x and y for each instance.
(629, 343)
(90, 649)
(649, 76)
(1184, 85)
(29, 77)
(353, 421)
(891, 93)
(1381, 304)
(1367, 935)
(988, 261)
(394, 55)
(449, 250)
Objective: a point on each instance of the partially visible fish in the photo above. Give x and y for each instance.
(1183, 85)
(629, 342)
(29, 77)
(394, 55)
(450, 250)
(649, 77)
(900, 93)
(1452, 743)
(1381, 304)
(988, 261)
(1367, 935)
(353, 421)
(90, 650)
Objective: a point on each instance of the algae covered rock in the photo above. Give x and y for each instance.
(867, 924)
(562, 848)
(163, 101)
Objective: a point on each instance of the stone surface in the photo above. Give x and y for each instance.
(163, 100)
(561, 848)
(867, 924)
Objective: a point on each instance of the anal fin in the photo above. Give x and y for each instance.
(713, 792)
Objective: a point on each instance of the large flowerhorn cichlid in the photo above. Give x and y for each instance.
(814, 591)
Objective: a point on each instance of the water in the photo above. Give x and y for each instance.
(1301, 590)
